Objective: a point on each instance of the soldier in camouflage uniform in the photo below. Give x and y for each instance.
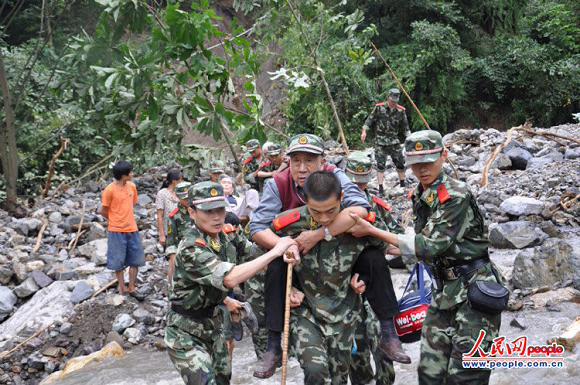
(179, 222)
(205, 271)
(451, 237)
(251, 162)
(274, 164)
(389, 124)
(358, 169)
(216, 169)
(323, 326)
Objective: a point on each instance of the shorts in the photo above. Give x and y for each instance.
(124, 249)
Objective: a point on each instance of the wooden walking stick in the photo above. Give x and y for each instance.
(286, 324)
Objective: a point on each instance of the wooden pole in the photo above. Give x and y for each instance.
(286, 325)
(401, 85)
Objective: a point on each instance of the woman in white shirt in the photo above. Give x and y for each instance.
(166, 201)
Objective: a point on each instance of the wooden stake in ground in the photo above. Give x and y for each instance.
(286, 325)
(72, 246)
(40, 235)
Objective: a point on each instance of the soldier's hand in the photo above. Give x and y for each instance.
(359, 286)
(361, 228)
(233, 305)
(296, 297)
(363, 136)
(292, 255)
(307, 240)
(393, 250)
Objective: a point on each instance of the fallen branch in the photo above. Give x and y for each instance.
(107, 286)
(495, 153)
(71, 247)
(528, 130)
(63, 146)
(96, 167)
(70, 244)
(40, 235)
(7, 353)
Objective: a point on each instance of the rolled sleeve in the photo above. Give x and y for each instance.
(407, 247)
(270, 206)
(219, 273)
(353, 196)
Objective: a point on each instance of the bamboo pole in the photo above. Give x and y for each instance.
(286, 325)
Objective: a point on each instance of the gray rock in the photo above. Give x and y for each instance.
(96, 231)
(520, 205)
(133, 335)
(518, 323)
(143, 316)
(62, 273)
(95, 250)
(122, 322)
(72, 222)
(65, 328)
(55, 217)
(544, 265)
(516, 235)
(7, 302)
(32, 223)
(144, 200)
(519, 157)
(572, 153)
(6, 274)
(114, 336)
(47, 306)
(41, 279)
(545, 160)
(26, 288)
(503, 162)
(81, 292)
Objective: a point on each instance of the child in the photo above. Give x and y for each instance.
(124, 243)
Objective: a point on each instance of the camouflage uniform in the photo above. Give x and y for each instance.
(254, 293)
(251, 164)
(196, 343)
(389, 126)
(323, 327)
(450, 231)
(367, 336)
(179, 221)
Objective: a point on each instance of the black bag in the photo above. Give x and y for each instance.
(488, 297)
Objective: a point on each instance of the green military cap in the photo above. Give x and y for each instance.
(252, 144)
(358, 167)
(181, 189)
(207, 196)
(217, 167)
(423, 147)
(306, 143)
(394, 94)
(274, 149)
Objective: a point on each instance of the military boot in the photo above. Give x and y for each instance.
(267, 367)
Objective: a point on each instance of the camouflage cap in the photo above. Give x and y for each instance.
(423, 147)
(216, 167)
(181, 189)
(207, 196)
(305, 143)
(252, 144)
(358, 167)
(394, 94)
(274, 149)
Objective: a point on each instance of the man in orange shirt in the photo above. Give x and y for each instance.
(124, 242)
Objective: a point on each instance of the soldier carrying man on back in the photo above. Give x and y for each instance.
(388, 122)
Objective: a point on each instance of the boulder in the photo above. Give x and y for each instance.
(55, 217)
(516, 235)
(503, 162)
(572, 153)
(6, 274)
(95, 250)
(47, 306)
(519, 157)
(143, 316)
(122, 322)
(26, 288)
(7, 302)
(545, 265)
(41, 279)
(144, 200)
(72, 222)
(133, 335)
(96, 231)
(35, 265)
(81, 292)
(520, 205)
(545, 160)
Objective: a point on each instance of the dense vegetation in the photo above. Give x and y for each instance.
(126, 78)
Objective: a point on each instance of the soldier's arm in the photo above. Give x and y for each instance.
(447, 224)
(405, 125)
(270, 206)
(370, 120)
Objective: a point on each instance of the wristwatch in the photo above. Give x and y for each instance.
(327, 236)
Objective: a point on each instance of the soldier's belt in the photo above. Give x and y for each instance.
(196, 314)
(456, 272)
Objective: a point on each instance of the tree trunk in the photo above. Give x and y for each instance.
(8, 150)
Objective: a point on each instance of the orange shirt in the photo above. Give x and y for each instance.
(120, 201)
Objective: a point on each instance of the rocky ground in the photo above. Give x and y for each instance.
(49, 286)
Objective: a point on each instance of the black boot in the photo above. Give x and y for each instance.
(381, 190)
(402, 183)
(390, 344)
(272, 359)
